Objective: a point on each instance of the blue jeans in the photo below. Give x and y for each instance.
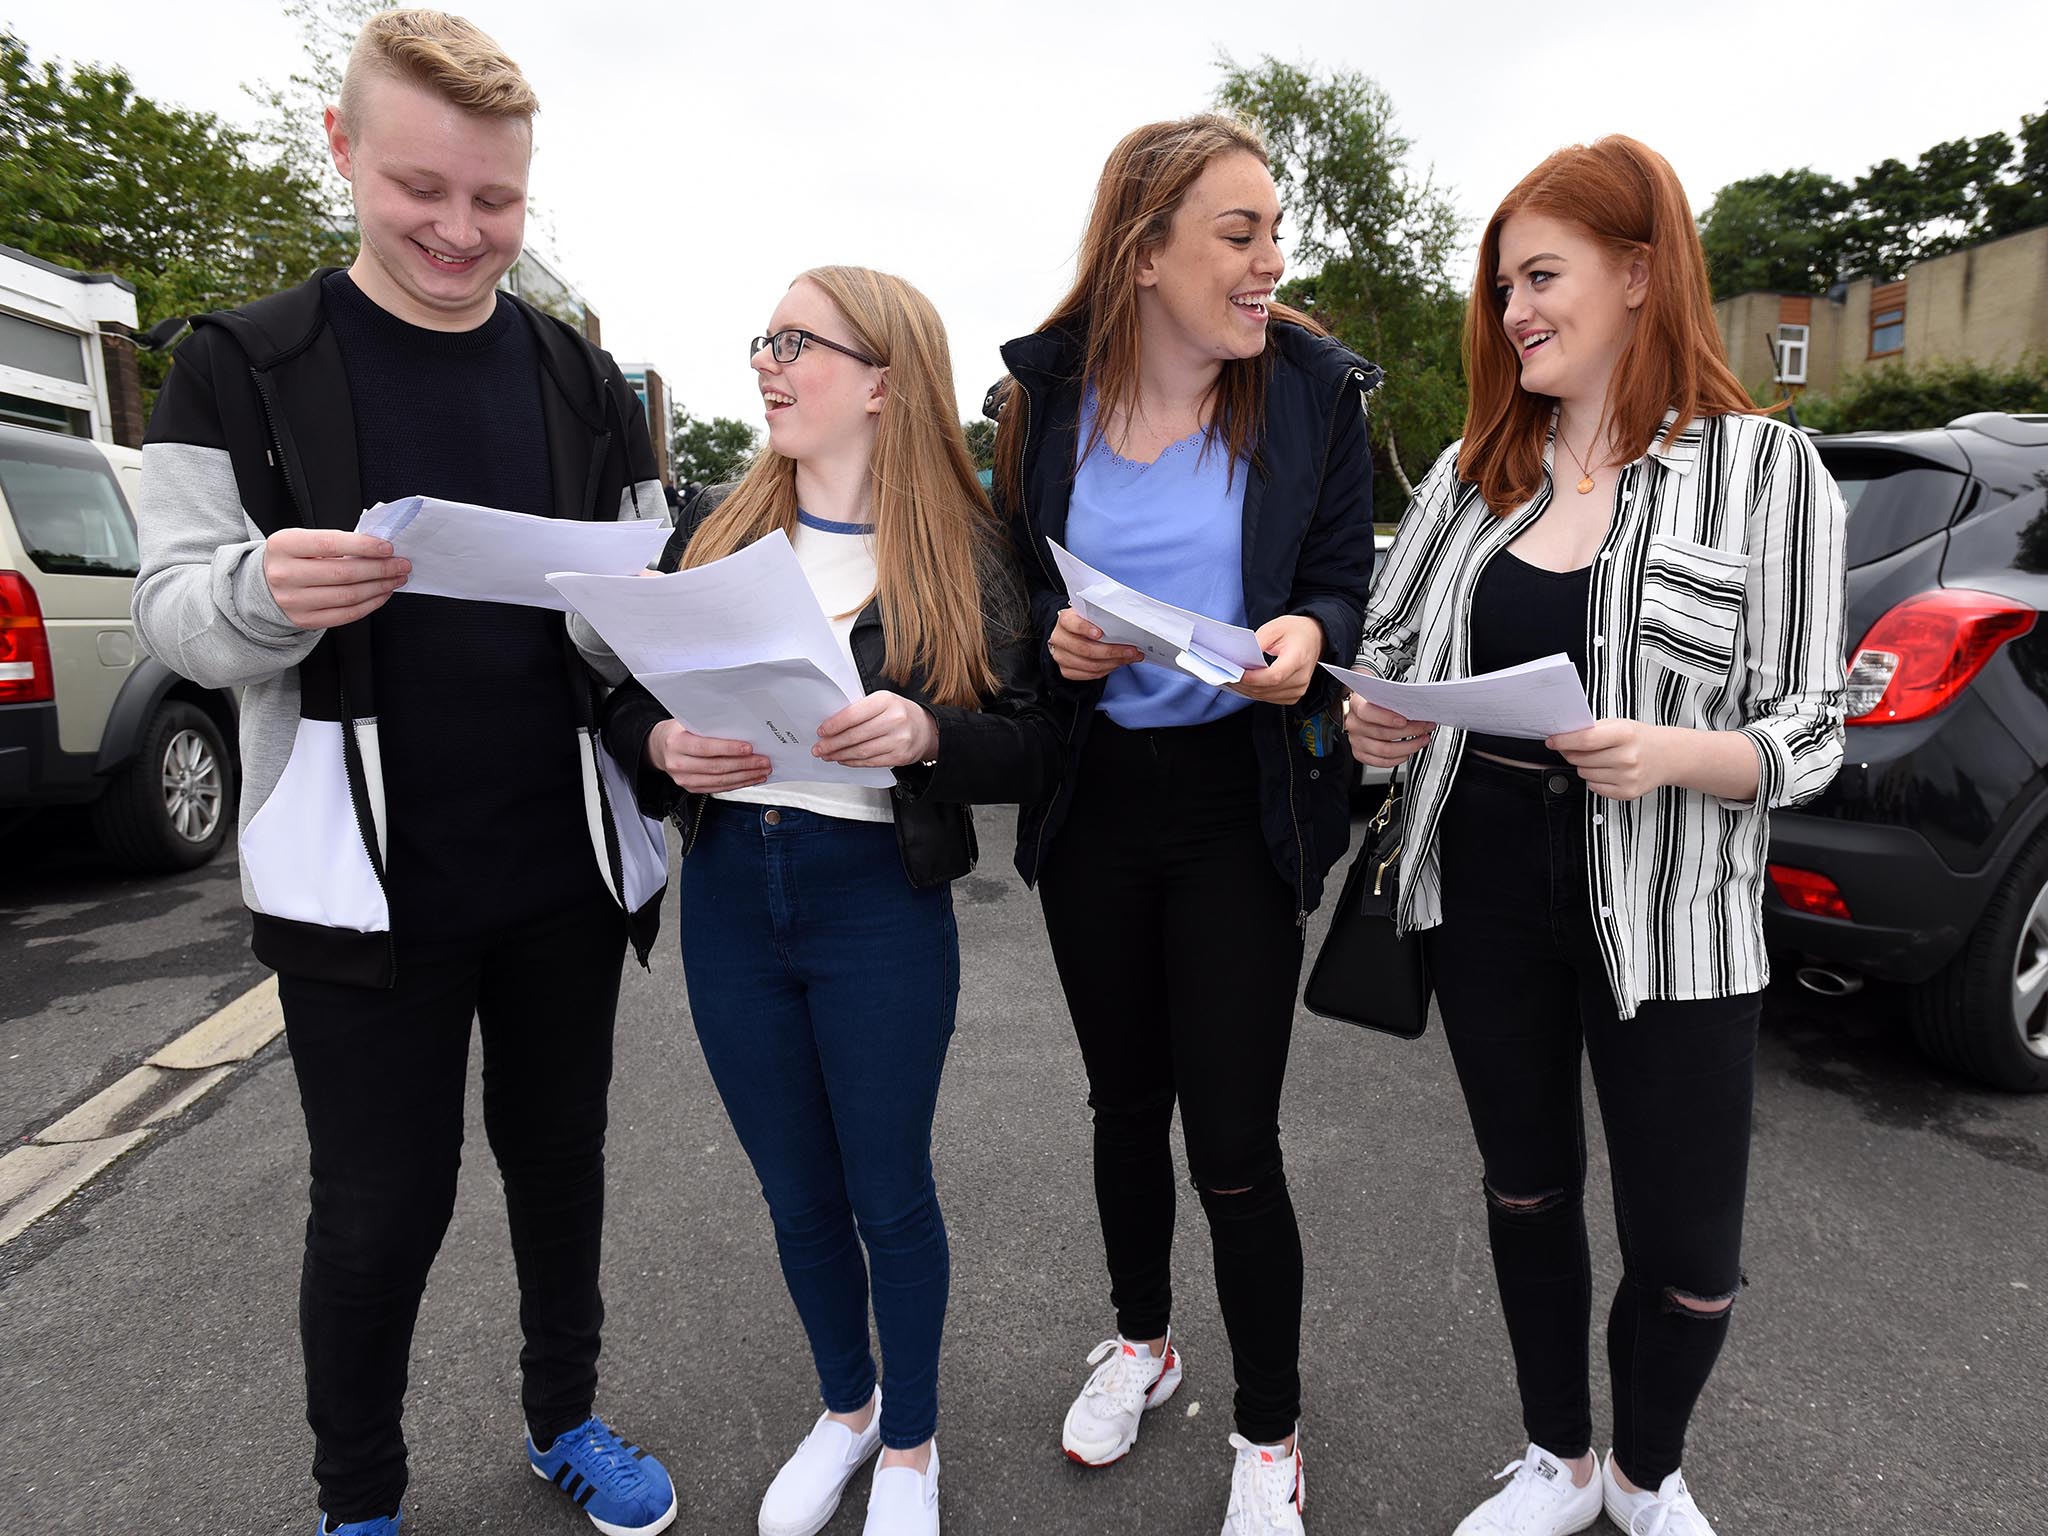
(823, 986)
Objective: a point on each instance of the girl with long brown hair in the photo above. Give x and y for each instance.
(1614, 498)
(818, 938)
(1181, 431)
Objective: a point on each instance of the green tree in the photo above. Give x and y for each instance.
(290, 122)
(981, 441)
(1374, 245)
(2021, 201)
(1778, 233)
(1802, 232)
(708, 452)
(184, 206)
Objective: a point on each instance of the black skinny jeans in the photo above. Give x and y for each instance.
(1520, 984)
(1178, 952)
(382, 1075)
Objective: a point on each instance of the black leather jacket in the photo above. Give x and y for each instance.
(1006, 751)
(1307, 550)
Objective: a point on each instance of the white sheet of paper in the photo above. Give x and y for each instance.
(1529, 702)
(493, 556)
(1190, 642)
(754, 605)
(775, 707)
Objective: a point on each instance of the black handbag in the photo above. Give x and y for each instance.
(1365, 973)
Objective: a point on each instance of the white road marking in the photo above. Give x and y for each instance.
(60, 1160)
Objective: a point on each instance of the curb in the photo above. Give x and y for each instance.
(60, 1160)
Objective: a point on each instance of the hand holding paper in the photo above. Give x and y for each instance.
(1532, 701)
(1204, 648)
(775, 707)
(492, 556)
(704, 765)
(1083, 650)
(1295, 642)
(739, 651)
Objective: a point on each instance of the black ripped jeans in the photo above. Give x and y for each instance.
(1177, 948)
(1520, 983)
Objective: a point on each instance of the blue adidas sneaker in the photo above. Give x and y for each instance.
(625, 1491)
(383, 1525)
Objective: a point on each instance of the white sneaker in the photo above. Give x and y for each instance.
(805, 1494)
(1102, 1425)
(1539, 1500)
(905, 1501)
(1267, 1491)
(1669, 1511)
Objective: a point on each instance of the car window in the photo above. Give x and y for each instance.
(68, 511)
(1894, 499)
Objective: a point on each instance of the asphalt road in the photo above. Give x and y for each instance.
(1886, 1372)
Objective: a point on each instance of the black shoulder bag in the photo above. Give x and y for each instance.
(1365, 973)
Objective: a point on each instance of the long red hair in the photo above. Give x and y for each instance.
(1627, 197)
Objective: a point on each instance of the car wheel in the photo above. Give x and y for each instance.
(1986, 1013)
(170, 808)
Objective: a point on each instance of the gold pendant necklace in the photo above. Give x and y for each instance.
(1585, 485)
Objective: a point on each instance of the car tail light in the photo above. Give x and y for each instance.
(25, 676)
(1806, 890)
(1924, 652)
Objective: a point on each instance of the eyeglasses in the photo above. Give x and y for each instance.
(787, 346)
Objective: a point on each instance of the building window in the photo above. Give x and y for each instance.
(51, 417)
(1792, 354)
(42, 349)
(1888, 320)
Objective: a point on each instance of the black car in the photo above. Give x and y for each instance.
(1926, 861)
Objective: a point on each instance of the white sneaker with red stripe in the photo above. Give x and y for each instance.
(1102, 1425)
(1267, 1492)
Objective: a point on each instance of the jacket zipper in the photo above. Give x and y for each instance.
(1024, 513)
(696, 825)
(350, 746)
(1286, 738)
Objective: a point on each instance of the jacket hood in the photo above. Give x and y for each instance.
(275, 329)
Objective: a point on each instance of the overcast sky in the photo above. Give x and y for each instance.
(691, 159)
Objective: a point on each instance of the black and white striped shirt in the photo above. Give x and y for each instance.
(1716, 604)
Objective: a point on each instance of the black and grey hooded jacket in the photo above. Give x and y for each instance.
(254, 432)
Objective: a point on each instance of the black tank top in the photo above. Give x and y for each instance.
(1521, 612)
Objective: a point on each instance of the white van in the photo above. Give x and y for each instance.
(85, 717)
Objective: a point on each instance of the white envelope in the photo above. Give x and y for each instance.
(1208, 649)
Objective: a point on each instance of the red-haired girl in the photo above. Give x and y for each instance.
(1614, 498)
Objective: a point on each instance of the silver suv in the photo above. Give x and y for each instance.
(85, 717)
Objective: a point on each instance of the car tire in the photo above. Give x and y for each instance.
(169, 809)
(1969, 1016)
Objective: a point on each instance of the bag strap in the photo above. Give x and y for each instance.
(1380, 818)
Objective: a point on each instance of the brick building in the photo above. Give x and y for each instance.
(1984, 304)
(655, 400)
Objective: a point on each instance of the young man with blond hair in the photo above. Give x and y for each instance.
(429, 832)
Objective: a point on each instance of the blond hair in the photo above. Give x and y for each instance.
(448, 55)
(939, 571)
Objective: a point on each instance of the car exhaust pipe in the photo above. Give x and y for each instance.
(1829, 983)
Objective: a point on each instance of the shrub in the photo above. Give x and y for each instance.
(1895, 398)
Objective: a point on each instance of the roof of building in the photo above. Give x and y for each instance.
(62, 271)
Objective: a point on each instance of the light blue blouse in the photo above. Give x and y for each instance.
(1172, 529)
